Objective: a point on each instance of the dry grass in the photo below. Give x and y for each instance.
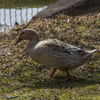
(20, 77)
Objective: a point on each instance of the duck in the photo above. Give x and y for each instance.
(53, 52)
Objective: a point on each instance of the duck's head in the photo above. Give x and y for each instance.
(28, 34)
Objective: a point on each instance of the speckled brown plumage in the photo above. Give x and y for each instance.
(53, 52)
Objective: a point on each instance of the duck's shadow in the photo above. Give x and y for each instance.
(56, 83)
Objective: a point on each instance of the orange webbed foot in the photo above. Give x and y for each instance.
(66, 79)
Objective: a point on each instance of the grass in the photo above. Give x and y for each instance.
(20, 77)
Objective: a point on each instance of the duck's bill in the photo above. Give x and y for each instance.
(17, 41)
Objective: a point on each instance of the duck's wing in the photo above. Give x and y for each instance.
(74, 49)
(62, 47)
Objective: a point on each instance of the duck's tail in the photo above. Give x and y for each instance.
(89, 54)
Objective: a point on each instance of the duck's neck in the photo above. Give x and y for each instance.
(32, 44)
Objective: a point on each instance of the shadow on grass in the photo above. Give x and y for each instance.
(57, 84)
(54, 83)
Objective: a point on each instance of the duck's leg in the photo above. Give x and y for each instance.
(68, 75)
(52, 73)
